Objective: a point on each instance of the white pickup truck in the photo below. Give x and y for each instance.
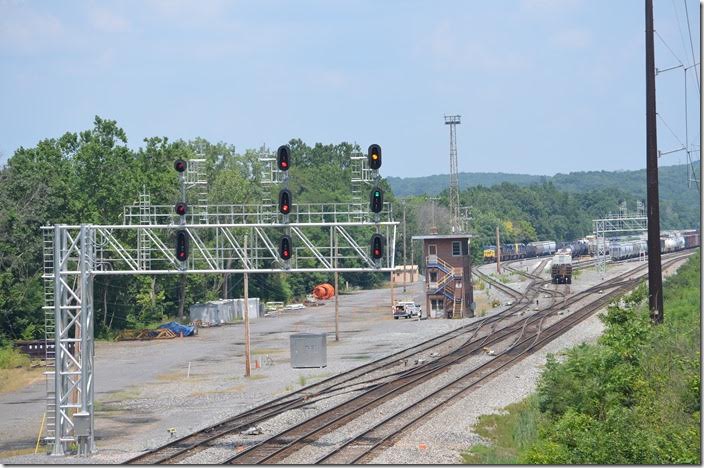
(406, 309)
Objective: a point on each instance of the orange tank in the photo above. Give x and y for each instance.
(323, 291)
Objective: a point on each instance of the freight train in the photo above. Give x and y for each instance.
(561, 269)
(519, 251)
(618, 249)
(671, 241)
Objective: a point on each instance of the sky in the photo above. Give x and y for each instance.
(543, 86)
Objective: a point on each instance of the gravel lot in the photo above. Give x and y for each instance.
(142, 389)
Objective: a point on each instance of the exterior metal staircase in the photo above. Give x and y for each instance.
(446, 285)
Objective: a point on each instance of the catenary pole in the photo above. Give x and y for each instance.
(655, 301)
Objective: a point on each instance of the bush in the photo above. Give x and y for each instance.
(11, 358)
(632, 398)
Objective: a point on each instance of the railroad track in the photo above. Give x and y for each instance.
(374, 390)
(529, 336)
(187, 446)
(362, 447)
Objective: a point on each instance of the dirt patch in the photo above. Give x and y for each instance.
(15, 379)
(14, 453)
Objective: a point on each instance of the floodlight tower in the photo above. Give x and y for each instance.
(454, 195)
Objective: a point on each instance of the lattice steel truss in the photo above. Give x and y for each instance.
(620, 222)
(75, 254)
(454, 193)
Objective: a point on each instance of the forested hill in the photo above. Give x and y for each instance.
(680, 206)
(673, 182)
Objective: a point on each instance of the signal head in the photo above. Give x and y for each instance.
(377, 246)
(181, 208)
(283, 158)
(285, 246)
(374, 157)
(376, 200)
(180, 165)
(181, 245)
(285, 201)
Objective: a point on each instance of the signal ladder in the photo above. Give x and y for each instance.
(49, 334)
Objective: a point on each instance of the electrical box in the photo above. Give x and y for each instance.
(309, 350)
(81, 421)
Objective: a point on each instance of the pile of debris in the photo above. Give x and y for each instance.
(166, 331)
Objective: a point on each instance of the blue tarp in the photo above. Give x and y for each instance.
(178, 328)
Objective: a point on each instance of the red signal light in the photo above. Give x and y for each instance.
(283, 157)
(181, 208)
(180, 165)
(285, 201)
(182, 245)
(377, 246)
(285, 248)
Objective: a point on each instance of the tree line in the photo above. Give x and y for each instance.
(89, 176)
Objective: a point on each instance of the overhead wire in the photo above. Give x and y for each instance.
(685, 147)
(670, 129)
(679, 26)
(691, 45)
(669, 48)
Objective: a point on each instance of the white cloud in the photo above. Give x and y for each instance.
(330, 78)
(26, 30)
(450, 50)
(549, 9)
(108, 21)
(576, 38)
(189, 11)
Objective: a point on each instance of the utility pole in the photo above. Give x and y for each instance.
(498, 251)
(247, 364)
(404, 247)
(337, 297)
(392, 289)
(655, 301)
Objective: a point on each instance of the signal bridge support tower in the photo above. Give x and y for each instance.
(333, 237)
(613, 223)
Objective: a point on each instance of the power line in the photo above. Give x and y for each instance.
(668, 127)
(691, 45)
(668, 48)
(679, 26)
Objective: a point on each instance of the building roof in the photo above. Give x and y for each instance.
(443, 236)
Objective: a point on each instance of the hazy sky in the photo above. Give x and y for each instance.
(543, 86)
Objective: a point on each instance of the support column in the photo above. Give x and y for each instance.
(247, 363)
(337, 296)
(498, 251)
(83, 429)
(58, 449)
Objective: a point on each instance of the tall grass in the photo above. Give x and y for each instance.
(11, 358)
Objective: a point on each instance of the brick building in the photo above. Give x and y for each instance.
(448, 275)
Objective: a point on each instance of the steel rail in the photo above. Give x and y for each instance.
(367, 442)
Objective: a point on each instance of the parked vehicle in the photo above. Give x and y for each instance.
(406, 309)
